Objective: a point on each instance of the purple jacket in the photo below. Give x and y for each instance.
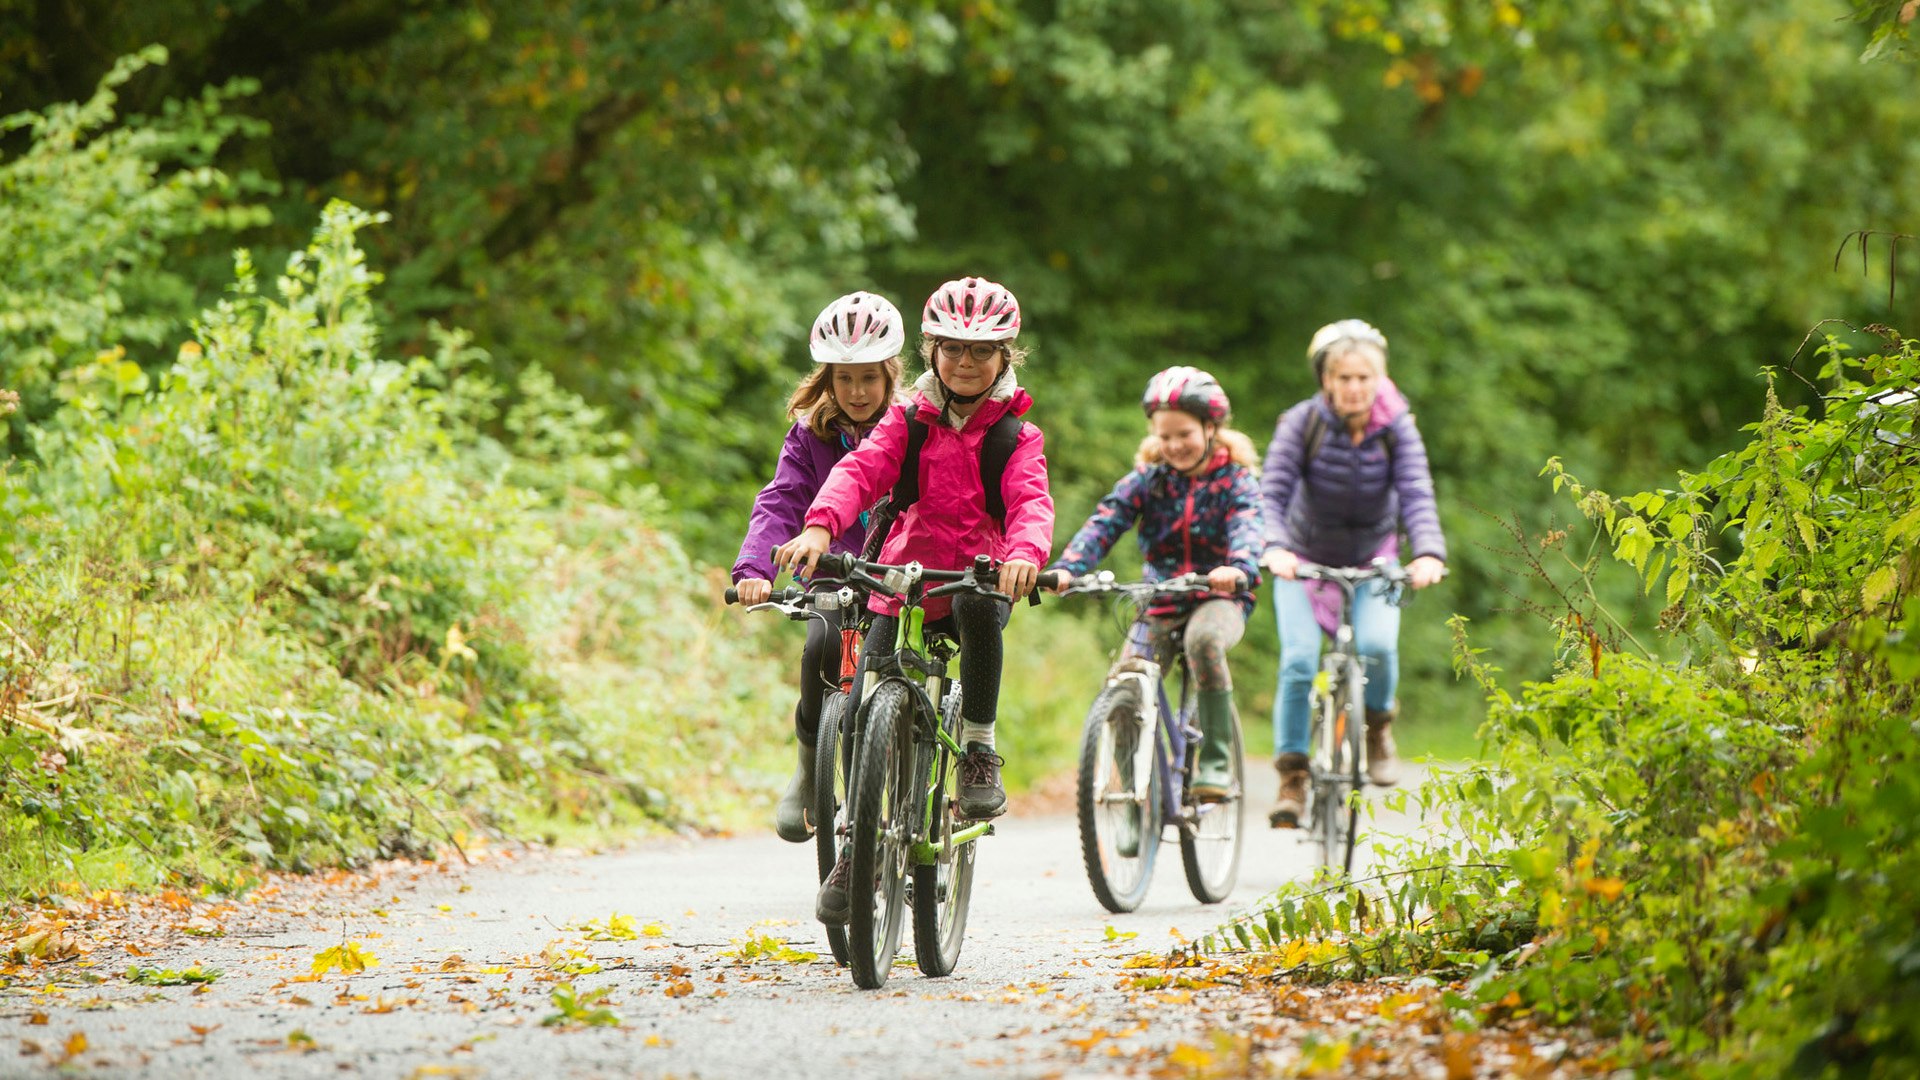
(1341, 508)
(781, 507)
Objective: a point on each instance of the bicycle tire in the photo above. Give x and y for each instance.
(1119, 881)
(1355, 782)
(832, 761)
(940, 906)
(882, 819)
(1210, 849)
(1336, 768)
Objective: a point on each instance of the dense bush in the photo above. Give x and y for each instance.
(1709, 850)
(293, 602)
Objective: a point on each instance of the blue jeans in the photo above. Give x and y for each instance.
(1376, 631)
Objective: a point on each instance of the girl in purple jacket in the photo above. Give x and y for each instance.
(856, 345)
(1339, 500)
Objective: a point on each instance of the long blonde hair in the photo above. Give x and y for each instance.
(1239, 448)
(814, 405)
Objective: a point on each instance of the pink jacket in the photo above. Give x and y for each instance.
(949, 525)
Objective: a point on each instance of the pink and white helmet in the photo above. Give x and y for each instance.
(858, 328)
(971, 309)
(1188, 389)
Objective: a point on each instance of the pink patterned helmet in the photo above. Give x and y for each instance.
(971, 309)
(858, 328)
(1188, 389)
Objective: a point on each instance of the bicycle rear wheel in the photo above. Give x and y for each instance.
(942, 890)
(1210, 849)
(1118, 797)
(883, 807)
(832, 765)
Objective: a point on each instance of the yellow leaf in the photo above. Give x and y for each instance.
(1878, 585)
(76, 1044)
(1605, 888)
(1188, 1056)
(347, 956)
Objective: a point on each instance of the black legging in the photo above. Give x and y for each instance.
(819, 673)
(977, 622)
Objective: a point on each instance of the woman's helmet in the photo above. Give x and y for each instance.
(971, 309)
(858, 328)
(1188, 389)
(1325, 338)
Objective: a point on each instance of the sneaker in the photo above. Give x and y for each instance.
(1292, 803)
(832, 906)
(981, 795)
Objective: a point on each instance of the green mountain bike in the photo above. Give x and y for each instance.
(907, 843)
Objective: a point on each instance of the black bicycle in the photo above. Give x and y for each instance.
(905, 837)
(833, 750)
(1337, 749)
(1137, 759)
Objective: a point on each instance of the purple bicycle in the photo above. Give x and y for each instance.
(1137, 757)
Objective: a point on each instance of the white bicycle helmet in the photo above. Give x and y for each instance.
(1325, 338)
(858, 328)
(971, 309)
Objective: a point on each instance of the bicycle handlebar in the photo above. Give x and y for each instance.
(1104, 582)
(896, 579)
(1382, 569)
(798, 603)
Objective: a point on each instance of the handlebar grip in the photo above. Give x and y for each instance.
(733, 595)
(834, 565)
(1053, 579)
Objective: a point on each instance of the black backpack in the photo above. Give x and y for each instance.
(996, 450)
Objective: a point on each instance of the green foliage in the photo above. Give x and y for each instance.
(577, 1009)
(1683, 853)
(289, 601)
(89, 213)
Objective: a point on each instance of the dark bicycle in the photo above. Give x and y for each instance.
(1137, 759)
(906, 839)
(833, 754)
(1337, 749)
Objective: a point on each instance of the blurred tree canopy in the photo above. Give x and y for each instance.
(1582, 226)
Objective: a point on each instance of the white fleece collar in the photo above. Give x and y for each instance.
(929, 384)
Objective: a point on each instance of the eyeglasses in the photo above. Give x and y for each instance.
(981, 351)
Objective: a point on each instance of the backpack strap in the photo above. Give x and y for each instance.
(1312, 437)
(906, 490)
(996, 450)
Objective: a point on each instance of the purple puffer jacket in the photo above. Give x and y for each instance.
(780, 509)
(1341, 508)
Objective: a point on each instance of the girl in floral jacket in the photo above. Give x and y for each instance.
(1193, 500)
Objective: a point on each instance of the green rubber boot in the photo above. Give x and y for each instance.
(790, 818)
(1213, 773)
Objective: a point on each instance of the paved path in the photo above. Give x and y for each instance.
(461, 988)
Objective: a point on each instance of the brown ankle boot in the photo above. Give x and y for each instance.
(1383, 768)
(1292, 803)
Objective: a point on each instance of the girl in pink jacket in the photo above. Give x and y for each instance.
(968, 327)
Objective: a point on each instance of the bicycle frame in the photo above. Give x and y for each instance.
(1176, 734)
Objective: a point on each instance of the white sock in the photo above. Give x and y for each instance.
(971, 733)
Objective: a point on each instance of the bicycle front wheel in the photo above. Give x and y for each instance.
(1336, 773)
(883, 807)
(832, 765)
(943, 889)
(1118, 797)
(1210, 848)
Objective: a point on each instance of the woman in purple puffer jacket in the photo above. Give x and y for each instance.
(856, 345)
(1340, 500)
